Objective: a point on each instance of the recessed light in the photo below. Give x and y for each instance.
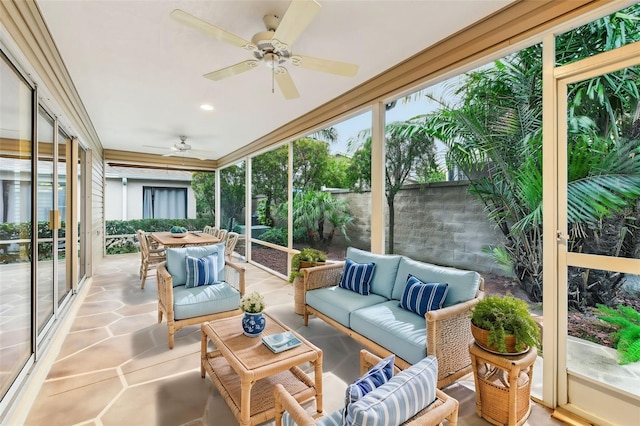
(206, 107)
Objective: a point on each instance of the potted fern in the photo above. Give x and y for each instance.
(307, 258)
(503, 324)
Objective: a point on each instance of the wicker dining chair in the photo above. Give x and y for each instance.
(211, 230)
(222, 234)
(149, 257)
(230, 243)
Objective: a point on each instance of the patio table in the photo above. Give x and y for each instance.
(191, 239)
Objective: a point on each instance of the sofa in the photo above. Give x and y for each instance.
(380, 396)
(378, 322)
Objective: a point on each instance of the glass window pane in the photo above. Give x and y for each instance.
(15, 224)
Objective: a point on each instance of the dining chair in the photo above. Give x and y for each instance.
(211, 230)
(230, 243)
(222, 234)
(149, 257)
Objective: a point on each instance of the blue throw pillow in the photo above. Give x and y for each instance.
(357, 276)
(422, 297)
(377, 376)
(201, 270)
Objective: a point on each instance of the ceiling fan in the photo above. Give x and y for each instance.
(183, 149)
(273, 47)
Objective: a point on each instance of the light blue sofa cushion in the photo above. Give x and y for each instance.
(401, 398)
(395, 328)
(385, 273)
(176, 260)
(333, 419)
(204, 300)
(338, 303)
(463, 285)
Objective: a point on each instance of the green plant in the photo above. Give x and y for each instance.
(306, 255)
(275, 236)
(506, 315)
(627, 338)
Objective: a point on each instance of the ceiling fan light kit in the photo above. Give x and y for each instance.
(273, 47)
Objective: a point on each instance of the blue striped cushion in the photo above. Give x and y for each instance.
(422, 297)
(201, 270)
(377, 376)
(357, 276)
(399, 399)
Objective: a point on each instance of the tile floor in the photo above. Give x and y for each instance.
(115, 368)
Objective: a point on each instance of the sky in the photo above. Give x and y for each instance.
(402, 111)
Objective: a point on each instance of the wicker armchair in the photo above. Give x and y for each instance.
(443, 408)
(448, 329)
(234, 277)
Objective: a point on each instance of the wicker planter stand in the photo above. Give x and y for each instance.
(503, 385)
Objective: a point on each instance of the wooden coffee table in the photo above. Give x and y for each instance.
(245, 371)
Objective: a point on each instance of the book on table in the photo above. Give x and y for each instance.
(281, 341)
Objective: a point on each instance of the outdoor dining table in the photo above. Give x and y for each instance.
(167, 239)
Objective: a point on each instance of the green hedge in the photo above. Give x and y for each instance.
(129, 227)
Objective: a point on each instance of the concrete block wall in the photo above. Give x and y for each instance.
(438, 223)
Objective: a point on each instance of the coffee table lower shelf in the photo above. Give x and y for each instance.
(227, 381)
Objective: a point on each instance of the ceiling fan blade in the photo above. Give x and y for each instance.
(298, 16)
(232, 70)
(154, 146)
(285, 83)
(325, 65)
(210, 29)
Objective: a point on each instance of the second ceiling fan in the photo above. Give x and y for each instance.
(273, 47)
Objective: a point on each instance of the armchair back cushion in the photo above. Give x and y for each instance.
(463, 285)
(176, 260)
(399, 399)
(385, 270)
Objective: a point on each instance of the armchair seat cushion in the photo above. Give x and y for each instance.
(338, 303)
(204, 300)
(393, 327)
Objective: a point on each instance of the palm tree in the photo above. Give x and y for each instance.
(494, 136)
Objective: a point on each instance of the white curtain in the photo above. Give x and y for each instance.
(164, 203)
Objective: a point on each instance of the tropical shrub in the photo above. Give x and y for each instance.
(627, 338)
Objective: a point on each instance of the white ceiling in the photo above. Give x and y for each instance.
(139, 72)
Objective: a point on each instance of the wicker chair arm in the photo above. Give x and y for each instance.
(235, 275)
(444, 407)
(285, 402)
(165, 285)
(448, 337)
(322, 276)
(368, 360)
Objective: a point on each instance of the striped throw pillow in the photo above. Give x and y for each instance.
(377, 376)
(357, 276)
(201, 270)
(401, 398)
(422, 297)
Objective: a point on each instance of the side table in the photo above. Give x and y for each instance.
(503, 385)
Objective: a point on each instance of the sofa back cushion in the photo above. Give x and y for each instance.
(177, 265)
(402, 397)
(463, 285)
(384, 275)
